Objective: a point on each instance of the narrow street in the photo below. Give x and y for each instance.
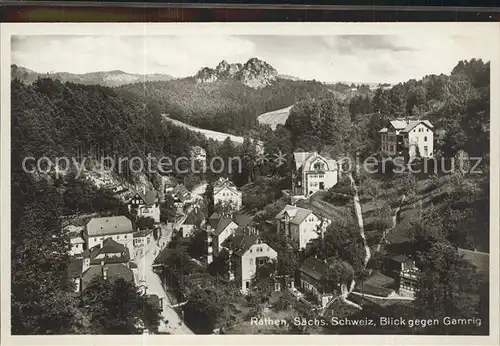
(153, 283)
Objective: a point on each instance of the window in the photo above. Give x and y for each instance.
(321, 186)
(425, 139)
(247, 284)
(426, 151)
(318, 166)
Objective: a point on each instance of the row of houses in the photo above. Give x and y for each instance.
(105, 246)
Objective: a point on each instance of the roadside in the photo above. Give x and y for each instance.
(171, 322)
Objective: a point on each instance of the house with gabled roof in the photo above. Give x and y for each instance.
(109, 260)
(226, 192)
(118, 228)
(111, 271)
(195, 218)
(220, 227)
(405, 137)
(198, 154)
(145, 203)
(313, 172)
(250, 252)
(312, 279)
(300, 225)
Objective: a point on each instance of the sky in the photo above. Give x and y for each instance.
(354, 58)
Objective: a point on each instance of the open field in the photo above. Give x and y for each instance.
(216, 136)
(274, 118)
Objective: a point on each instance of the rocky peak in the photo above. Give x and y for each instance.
(255, 73)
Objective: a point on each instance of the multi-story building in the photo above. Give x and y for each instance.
(198, 154)
(220, 228)
(226, 192)
(313, 173)
(118, 228)
(404, 272)
(250, 252)
(145, 204)
(109, 260)
(312, 273)
(405, 137)
(300, 225)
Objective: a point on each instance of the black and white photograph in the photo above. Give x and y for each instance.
(236, 182)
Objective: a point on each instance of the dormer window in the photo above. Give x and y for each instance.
(318, 166)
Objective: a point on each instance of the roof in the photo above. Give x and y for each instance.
(198, 150)
(143, 233)
(481, 260)
(297, 214)
(242, 219)
(413, 123)
(224, 183)
(195, 217)
(399, 258)
(399, 124)
(77, 240)
(164, 255)
(100, 226)
(221, 226)
(150, 197)
(314, 267)
(181, 192)
(241, 242)
(214, 219)
(114, 271)
(75, 267)
(405, 125)
(109, 246)
(302, 157)
(72, 229)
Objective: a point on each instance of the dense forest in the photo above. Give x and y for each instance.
(53, 119)
(228, 105)
(456, 104)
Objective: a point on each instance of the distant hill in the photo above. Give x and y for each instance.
(230, 97)
(274, 118)
(105, 78)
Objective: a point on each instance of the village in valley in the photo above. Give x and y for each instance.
(236, 243)
(310, 228)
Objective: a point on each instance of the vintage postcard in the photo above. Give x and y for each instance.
(196, 183)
